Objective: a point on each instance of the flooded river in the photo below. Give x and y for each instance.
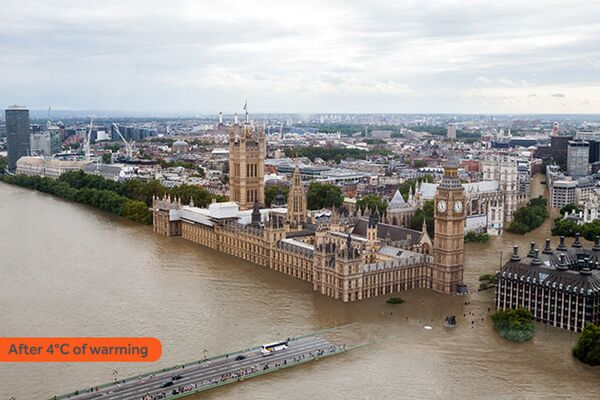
(68, 270)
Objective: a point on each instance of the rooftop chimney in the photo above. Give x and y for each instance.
(536, 259)
(531, 250)
(547, 249)
(576, 244)
(515, 254)
(562, 246)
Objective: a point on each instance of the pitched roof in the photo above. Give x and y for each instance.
(397, 201)
(396, 233)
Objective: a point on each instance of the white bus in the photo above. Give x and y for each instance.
(270, 348)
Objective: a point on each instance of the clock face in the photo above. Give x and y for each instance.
(458, 206)
(441, 206)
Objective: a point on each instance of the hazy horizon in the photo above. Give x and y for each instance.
(314, 57)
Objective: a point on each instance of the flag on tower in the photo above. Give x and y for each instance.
(246, 105)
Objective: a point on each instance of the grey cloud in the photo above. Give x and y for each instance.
(318, 53)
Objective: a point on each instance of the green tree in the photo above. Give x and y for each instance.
(106, 158)
(272, 191)
(569, 208)
(425, 213)
(323, 195)
(565, 227)
(530, 216)
(514, 324)
(477, 237)
(3, 163)
(137, 211)
(419, 164)
(130, 199)
(587, 348)
(591, 230)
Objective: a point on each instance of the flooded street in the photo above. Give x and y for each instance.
(68, 270)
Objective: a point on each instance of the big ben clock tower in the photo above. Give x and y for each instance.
(449, 237)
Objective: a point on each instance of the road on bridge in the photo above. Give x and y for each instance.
(206, 374)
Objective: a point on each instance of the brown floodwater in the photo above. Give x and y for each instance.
(68, 270)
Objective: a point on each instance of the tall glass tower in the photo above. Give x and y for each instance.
(17, 134)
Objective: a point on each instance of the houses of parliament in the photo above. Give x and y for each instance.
(346, 257)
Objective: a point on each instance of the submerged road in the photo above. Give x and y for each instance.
(206, 374)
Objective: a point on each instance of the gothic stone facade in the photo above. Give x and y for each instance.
(246, 165)
(348, 263)
(345, 266)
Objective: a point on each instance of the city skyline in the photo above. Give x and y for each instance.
(331, 57)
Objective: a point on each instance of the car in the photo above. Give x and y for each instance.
(166, 384)
(240, 357)
(176, 377)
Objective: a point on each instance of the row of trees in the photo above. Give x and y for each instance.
(129, 199)
(103, 199)
(568, 228)
(137, 189)
(530, 216)
(336, 154)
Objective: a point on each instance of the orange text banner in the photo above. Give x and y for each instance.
(82, 349)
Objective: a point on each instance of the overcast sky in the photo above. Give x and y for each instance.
(302, 56)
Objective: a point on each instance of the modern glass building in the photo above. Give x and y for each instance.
(578, 155)
(17, 134)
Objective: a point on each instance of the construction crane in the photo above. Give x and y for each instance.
(87, 139)
(128, 146)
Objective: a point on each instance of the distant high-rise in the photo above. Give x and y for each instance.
(17, 134)
(555, 129)
(578, 155)
(558, 148)
(451, 132)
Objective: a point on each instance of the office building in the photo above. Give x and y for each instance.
(563, 192)
(558, 148)
(578, 155)
(17, 134)
(560, 286)
(40, 144)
